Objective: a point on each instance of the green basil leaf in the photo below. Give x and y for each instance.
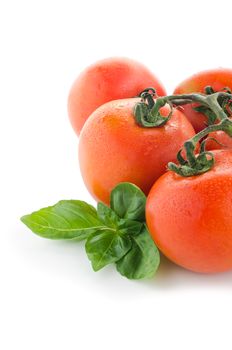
(130, 227)
(142, 260)
(128, 202)
(107, 215)
(67, 219)
(106, 247)
(111, 219)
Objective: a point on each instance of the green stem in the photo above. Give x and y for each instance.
(147, 111)
(184, 98)
(205, 132)
(210, 101)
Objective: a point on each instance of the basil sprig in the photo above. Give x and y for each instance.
(115, 234)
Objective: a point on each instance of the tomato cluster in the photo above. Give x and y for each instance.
(126, 136)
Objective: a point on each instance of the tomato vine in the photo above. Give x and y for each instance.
(218, 104)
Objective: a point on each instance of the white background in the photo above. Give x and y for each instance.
(49, 296)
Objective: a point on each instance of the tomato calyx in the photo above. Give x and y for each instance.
(192, 165)
(147, 112)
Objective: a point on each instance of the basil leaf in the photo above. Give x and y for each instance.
(107, 215)
(111, 219)
(67, 219)
(143, 258)
(106, 247)
(130, 227)
(128, 201)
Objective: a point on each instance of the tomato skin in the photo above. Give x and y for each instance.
(114, 149)
(190, 219)
(216, 78)
(224, 139)
(107, 80)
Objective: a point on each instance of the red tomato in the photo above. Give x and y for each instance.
(190, 219)
(225, 141)
(107, 80)
(216, 78)
(113, 148)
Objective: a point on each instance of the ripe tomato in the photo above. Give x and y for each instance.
(107, 80)
(217, 78)
(190, 219)
(113, 148)
(225, 141)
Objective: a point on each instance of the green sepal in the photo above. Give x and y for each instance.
(146, 118)
(148, 115)
(202, 165)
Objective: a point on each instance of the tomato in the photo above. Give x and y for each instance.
(113, 148)
(216, 78)
(225, 141)
(107, 80)
(190, 219)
